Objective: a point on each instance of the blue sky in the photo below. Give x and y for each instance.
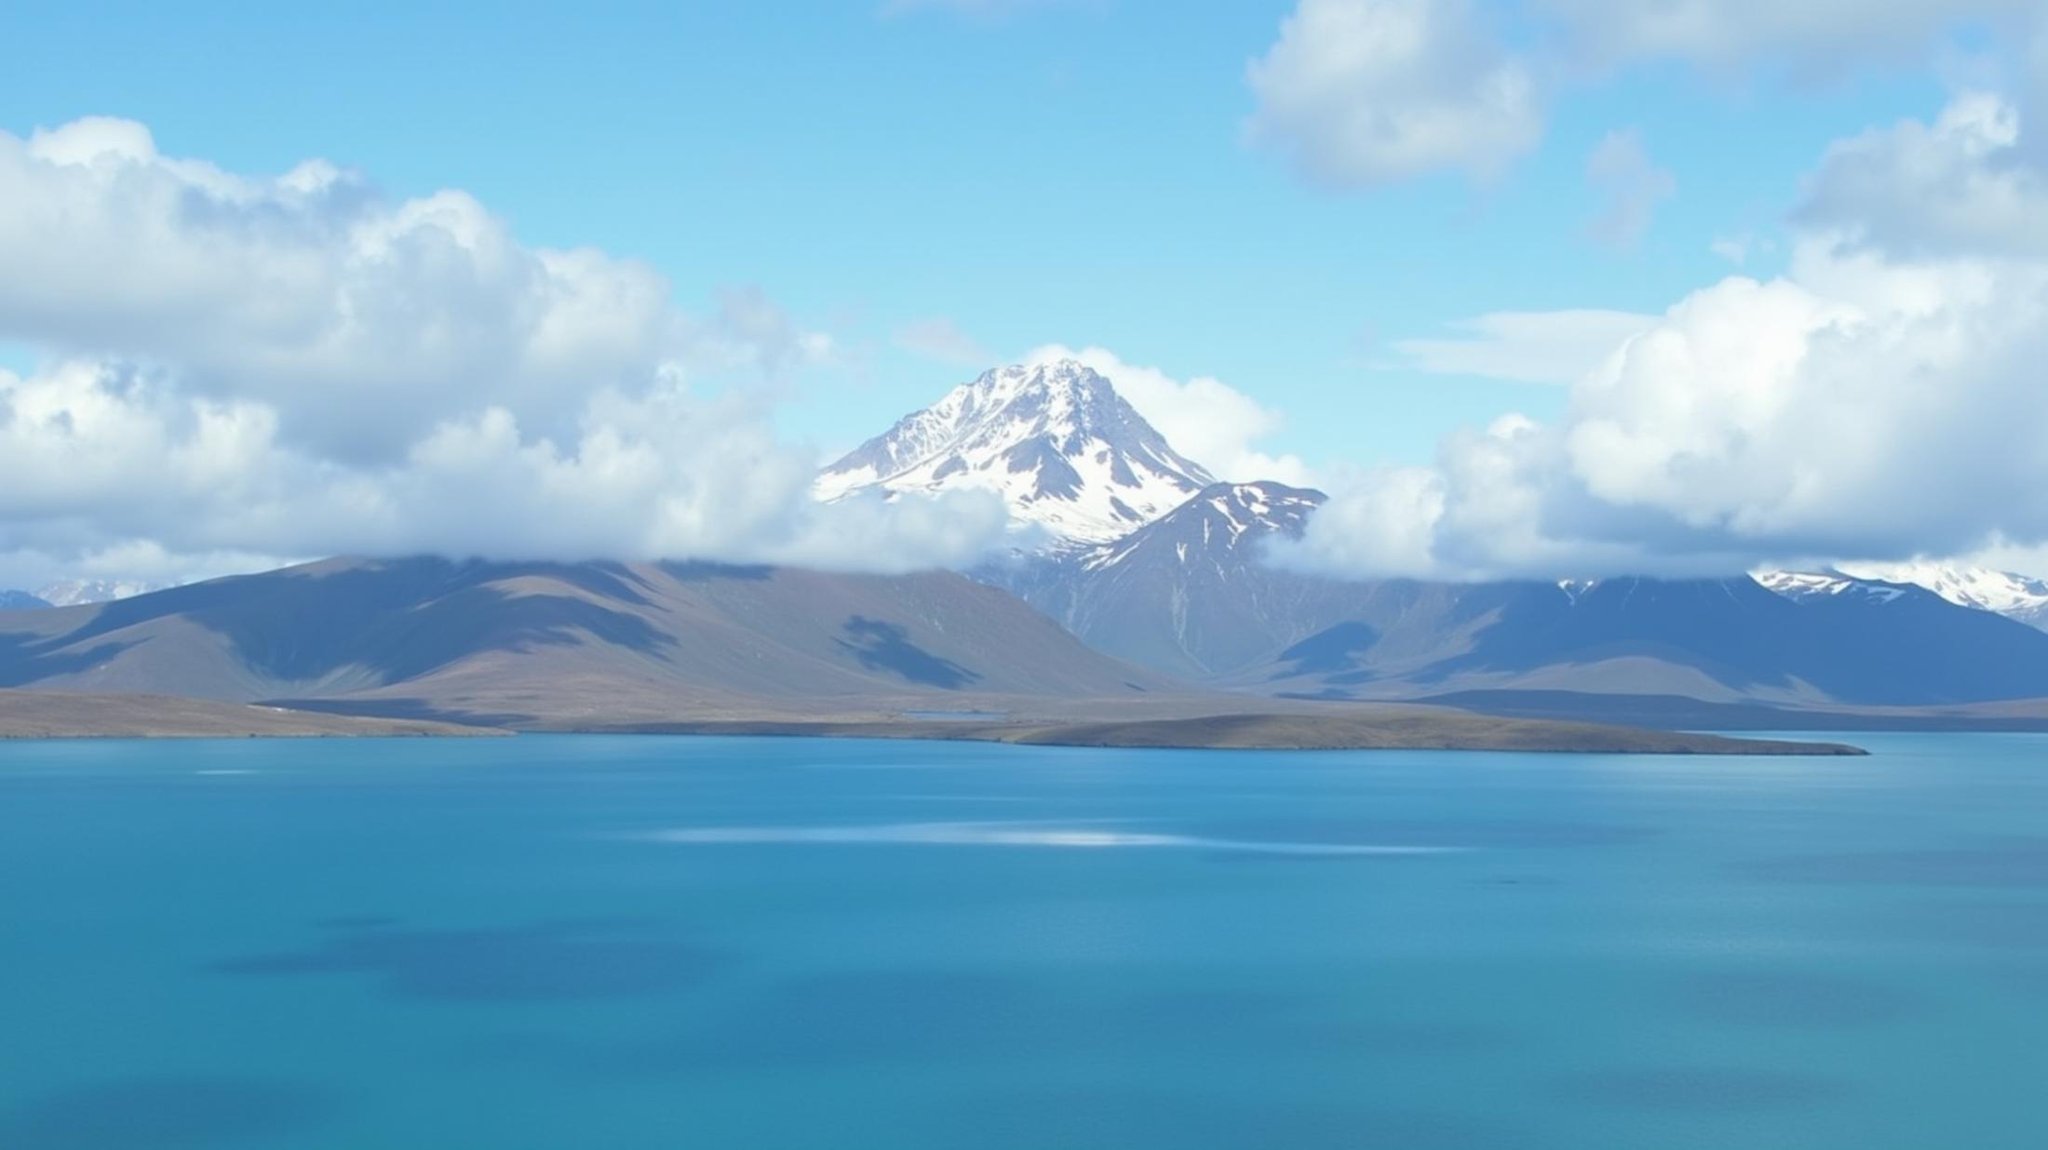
(812, 217)
(1068, 173)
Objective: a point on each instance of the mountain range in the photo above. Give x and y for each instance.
(539, 643)
(1190, 592)
(1139, 591)
(75, 592)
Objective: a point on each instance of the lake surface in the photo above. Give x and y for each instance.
(624, 943)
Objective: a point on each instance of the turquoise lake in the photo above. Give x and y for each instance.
(627, 943)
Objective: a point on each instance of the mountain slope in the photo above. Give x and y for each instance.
(1190, 594)
(1054, 440)
(21, 601)
(1722, 640)
(549, 643)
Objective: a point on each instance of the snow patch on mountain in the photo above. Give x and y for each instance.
(76, 592)
(2014, 596)
(1799, 585)
(1064, 451)
(1223, 523)
(2003, 593)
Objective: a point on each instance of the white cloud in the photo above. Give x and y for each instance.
(1203, 418)
(1632, 186)
(1358, 93)
(296, 366)
(1555, 347)
(942, 340)
(1959, 184)
(1872, 403)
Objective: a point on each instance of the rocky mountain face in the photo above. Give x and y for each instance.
(1055, 440)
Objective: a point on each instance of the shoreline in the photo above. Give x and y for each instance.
(52, 715)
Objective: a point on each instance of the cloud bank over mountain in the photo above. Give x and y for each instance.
(1878, 400)
(238, 366)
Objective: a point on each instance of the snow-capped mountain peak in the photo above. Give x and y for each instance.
(1055, 440)
(2014, 596)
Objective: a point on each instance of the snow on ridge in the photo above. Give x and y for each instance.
(1832, 584)
(77, 592)
(2016, 597)
(1054, 440)
(1980, 587)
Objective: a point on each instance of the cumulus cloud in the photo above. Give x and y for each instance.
(1631, 186)
(1555, 347)
(1872, 403)
(298, 365)
(1957, 185)
(1358, 93)
(1203, 418)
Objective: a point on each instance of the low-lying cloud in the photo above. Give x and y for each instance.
(290, 366)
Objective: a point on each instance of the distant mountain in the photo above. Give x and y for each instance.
(1811, 586)
(2013, 596)
(1055, 440)
(73, 592)
(1182, 585)
(1723, 640)
(551, 644)
(21, 601)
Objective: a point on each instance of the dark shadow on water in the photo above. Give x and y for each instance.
(1800, 1001)
(1702, 1090)
(847, 1019)
(167, 1113)
(537, 962)
(2009, 863)
(881, 646)
(1108, 1119)
(865, 1018)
